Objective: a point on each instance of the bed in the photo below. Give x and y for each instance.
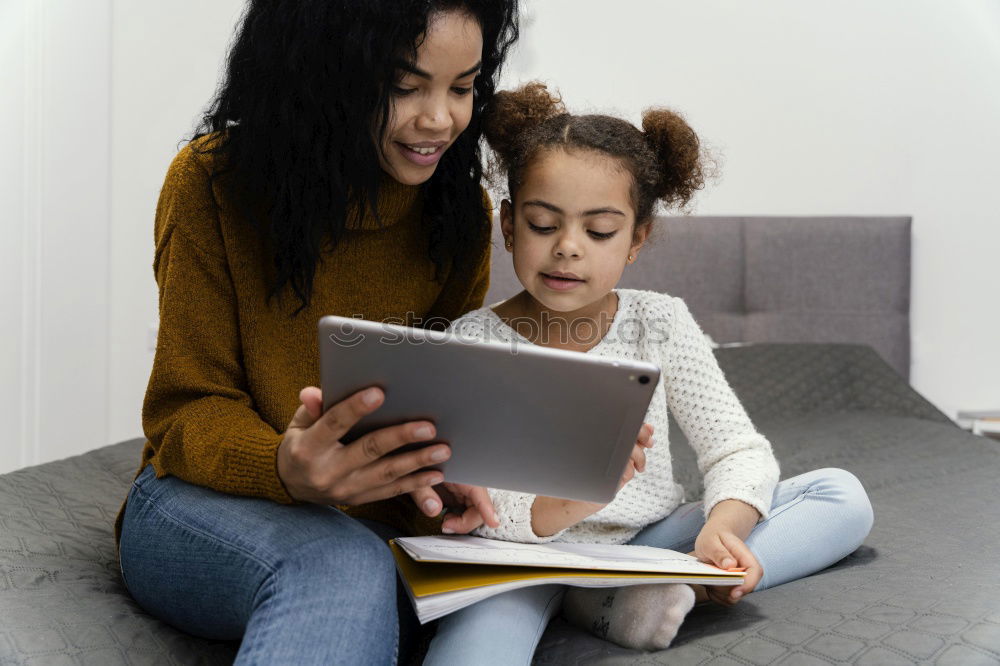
(812, 315)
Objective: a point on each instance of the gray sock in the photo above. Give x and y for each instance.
(646, 617)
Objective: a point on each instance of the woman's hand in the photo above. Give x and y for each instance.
(721, 543)
(316, 467)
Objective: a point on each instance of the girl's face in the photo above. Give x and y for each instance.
(432, 102)
(572, 228)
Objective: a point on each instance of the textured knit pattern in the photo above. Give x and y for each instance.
(735, 460)
(229, 364)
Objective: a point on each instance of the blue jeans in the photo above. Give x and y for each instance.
(298, 584)
(816, 519)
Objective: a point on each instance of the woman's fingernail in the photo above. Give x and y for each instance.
(439, 454)
(371, 396)
(447, 530)
(424, 432)
(728, 562)
(496, 518)
(737, 594)
(431, 507)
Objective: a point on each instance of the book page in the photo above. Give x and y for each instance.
(476, 550)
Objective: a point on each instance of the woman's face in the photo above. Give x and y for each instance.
(432, 102)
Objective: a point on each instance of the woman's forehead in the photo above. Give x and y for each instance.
(452, 47)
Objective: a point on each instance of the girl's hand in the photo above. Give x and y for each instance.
(315, 467)
(637, 461)
(720, 543)
(468, 508)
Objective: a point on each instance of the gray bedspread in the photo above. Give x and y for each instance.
(921, 589)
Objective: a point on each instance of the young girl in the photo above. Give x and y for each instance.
(582, 196)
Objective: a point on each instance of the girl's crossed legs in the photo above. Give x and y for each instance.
(816, 519)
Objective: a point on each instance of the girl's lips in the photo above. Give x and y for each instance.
(418, 158)
(560, 284)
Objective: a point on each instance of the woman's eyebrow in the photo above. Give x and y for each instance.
(416, 71)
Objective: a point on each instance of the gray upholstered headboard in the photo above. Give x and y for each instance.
(776, 279)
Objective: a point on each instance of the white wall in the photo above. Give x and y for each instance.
(856, 107)
(167, 60)
(54, 182)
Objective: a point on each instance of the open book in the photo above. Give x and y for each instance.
(444, 574)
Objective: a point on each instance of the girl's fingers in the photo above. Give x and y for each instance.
(645, 438)
(717, 553)
(463, 524)
(746, 559)
(480, 499)
(639, 458)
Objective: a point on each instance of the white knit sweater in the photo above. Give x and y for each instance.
(735, 460)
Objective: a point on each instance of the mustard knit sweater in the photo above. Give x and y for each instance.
(229, 365)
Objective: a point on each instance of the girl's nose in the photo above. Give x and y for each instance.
(567, 247)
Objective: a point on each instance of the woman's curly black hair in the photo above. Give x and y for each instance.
(305, 83)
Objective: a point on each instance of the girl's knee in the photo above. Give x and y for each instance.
(858, 513)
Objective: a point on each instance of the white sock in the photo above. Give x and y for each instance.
(637, 616)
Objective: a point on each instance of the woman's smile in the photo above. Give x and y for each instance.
(423, 153)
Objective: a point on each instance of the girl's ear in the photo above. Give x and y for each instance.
(507, 219)
(639, 237)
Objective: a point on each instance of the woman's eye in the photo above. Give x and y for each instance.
(402, 92)
(458, 90)
(602, 235)
(541, 230)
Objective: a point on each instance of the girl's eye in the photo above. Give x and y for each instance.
(541, 230)
(402, 92)
(461, 91)
(599, 235)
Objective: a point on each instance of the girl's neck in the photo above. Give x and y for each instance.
(579, 330)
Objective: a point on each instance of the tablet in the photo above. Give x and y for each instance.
(517, 416)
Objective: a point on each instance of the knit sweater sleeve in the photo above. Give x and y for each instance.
(513, 508)
(735, 460)
(198, 414)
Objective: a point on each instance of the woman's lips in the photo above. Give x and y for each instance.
(560, 284)
(419, 158)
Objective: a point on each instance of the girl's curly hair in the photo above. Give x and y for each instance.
(664, 159)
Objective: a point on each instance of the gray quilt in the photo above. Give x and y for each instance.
(921, 589)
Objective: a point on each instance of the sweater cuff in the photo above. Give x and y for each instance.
(754, 499)
(514, 511)
(254, 467)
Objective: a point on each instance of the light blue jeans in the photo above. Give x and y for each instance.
(816, 519)
(299, 584)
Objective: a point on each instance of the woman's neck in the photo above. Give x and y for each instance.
(579, 330)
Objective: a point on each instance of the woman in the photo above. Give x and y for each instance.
(337, 172)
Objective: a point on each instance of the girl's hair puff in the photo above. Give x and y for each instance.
(664, 159)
